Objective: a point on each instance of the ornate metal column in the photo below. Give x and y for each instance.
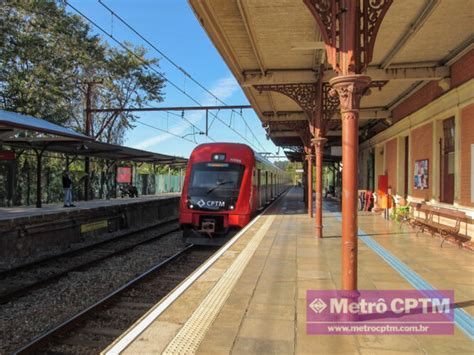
(319, 148)
(349, 29)
(309, 159)
(350, 89)
(304, 183)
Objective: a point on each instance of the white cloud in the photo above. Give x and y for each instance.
(223, 89)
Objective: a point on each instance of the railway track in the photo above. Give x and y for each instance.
(94, 328)
(26, 278)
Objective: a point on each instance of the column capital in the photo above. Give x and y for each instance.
(349, 89)
(309, 156)
(319, 141)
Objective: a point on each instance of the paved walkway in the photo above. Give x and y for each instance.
(30, 211)
(252, 299)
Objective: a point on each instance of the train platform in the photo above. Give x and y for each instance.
(29, 234)
(250, 297)
(10, 213)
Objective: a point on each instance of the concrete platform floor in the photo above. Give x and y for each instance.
(30, 211)
(264, 309)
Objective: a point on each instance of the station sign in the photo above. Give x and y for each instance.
(7, 155)
(124, 175)
(93, 226)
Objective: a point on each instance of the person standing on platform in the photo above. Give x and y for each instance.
(67, 186)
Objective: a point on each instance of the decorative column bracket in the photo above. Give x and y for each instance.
(330, 102)
(304, 94)
(298, 126)
(327, 14)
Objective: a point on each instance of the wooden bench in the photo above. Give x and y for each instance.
(449, 230)
(431, 221)
(414, 219)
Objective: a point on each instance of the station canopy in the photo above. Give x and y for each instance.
(268, 43)
(27, 132)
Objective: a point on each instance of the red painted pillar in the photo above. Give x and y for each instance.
(309, 159)
(350, 89)
(319, 148)
(304, 184)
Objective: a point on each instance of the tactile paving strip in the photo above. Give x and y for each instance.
(194, 330)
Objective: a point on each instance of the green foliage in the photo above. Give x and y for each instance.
(290, 168)
(48, 56)
(400, 213)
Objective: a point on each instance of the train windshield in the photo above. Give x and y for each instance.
(218, 179)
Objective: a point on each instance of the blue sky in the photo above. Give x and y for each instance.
(172, 27)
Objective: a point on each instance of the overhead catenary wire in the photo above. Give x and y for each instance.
(183, 117)
(165, 131)
(172, 62)
(149, 66)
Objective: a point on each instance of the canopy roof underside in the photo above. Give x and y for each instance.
(27, 132)
(265, 42)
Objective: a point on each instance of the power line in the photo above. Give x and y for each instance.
(149, 66)
(165, 131)
(181, 69)
(185, 119)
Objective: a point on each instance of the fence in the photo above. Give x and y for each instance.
(149, 184)
(18, 183)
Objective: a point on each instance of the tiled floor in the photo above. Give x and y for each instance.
(266, 310)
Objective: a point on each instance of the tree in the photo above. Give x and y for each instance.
(47, 57)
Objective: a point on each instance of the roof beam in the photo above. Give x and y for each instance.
(421, 19)
(364, 114)
(368, 114)
(280, 134)
(308, 46)
(291, 76)
(284, 116)
(410, 73)
(244, 13)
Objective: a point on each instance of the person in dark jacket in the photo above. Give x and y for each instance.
(67, 186)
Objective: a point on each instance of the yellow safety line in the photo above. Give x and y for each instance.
(194, 330)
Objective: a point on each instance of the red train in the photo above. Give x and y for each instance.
(225, 185)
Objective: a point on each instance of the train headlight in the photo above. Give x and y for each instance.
(191, 206)
(231, 207)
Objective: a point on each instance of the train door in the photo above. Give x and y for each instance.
(271, 186)
(275, 185)
(259, 187)
(253, 190)
(266, 186)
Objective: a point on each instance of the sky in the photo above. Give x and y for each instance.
(170, 25)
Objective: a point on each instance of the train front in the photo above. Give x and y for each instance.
(216, 192)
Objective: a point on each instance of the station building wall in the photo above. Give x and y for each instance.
(420, 118)
(421, 140)
(467, 150)
(391, 163)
